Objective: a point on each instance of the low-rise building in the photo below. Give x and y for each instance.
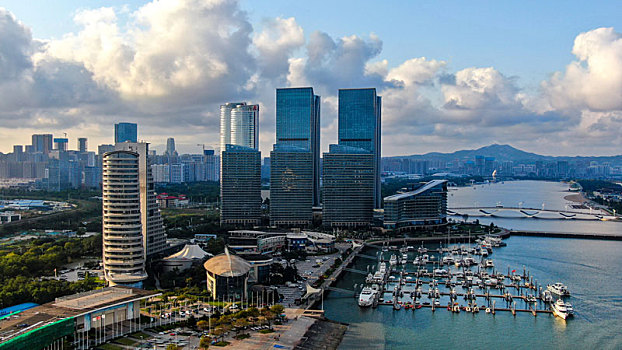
(423, 206)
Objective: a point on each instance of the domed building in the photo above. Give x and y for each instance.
(227, 276)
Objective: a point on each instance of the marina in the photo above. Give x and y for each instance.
(456, 281)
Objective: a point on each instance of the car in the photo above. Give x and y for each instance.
(315, 266)
(233, 307)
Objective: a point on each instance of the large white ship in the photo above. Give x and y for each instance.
(367, 296)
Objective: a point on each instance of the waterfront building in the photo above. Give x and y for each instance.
(295, 158)
(123, 243)
(291, 186)
(422, 206)
(125, 132)
(240, 186)
(154, 237)
(348, 187)
(360, 126)
(227, 276)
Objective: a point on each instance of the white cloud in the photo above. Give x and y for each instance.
(169, 64)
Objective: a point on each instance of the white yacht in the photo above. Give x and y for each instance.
(558, 289)
(393, 260)
(366, 298)
(488, 263)
(559, 309)
(569, 309)
(404, 258)
(449, 259)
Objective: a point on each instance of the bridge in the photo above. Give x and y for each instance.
(534, 213)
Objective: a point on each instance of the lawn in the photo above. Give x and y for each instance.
(125, 341)
(140, 335)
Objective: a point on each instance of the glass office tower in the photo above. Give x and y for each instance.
(245, 126)
(298, 125)
(348, 183)
(360, 126)
(295, 158)
(240, 186)
(125, 132)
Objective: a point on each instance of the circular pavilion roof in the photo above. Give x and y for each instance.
(227, 265)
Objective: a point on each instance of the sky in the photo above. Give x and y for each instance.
(545, 77)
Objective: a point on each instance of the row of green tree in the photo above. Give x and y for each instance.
(25, 269)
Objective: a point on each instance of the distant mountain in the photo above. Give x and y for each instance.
(503, 153)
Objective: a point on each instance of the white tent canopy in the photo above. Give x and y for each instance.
(190, 252)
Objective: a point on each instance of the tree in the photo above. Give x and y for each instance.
(203, 325)
(172, 347)
(191, 321)
(205, 342)
(240, 324)
(277, 309)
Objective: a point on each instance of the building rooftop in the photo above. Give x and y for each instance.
(227, 265)
(420, 190)
(69, 306)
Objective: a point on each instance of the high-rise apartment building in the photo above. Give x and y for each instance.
(123, 240)
(42, 143)
(240, 169)
(125, 132)
(82, 145)
(360, 126)
(295, 158)
(154, 238)
(240, 186)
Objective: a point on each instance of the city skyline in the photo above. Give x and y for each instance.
(549, 87)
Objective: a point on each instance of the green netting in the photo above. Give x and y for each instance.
(9, 315)
(41, 337)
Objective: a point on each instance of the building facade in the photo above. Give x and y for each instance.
(225, 123)
(240, 186)
(424, 206)
(348, 187)
(125, 132)
(245, 126)
(291, 186)
(360, 127)
(154, 237)
(123, 244)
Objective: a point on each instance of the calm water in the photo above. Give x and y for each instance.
(590, 268)
(529, 194)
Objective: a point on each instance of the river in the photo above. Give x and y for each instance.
(590, 268)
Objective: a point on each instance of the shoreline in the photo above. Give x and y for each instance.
(576, 198)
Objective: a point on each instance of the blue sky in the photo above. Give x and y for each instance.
(468, 73)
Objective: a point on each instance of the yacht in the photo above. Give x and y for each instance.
(558, 289)
(366, 298)
(488, 263)
(404, 258)
(422, 249)
(393, 260)
(469, 261)
(547, 296)
(569, 309)
(559, 309)
(449, 259)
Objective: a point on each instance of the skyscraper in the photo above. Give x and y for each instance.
(125, 132)
(360, 126)
(154, 238)
(170, 147)
(82, 145)
(225, 123)
(240, 186)
(123, 240)
(61, 144)
(42, 143)
(240, 170)
(245, 126)
(348, 183)
(295, 158)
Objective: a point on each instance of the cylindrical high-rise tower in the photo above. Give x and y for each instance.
(245, 126)
(124, 256)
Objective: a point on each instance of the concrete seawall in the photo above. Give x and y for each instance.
(602, 236)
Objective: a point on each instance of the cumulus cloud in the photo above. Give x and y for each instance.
(594, 80)
(169, 64)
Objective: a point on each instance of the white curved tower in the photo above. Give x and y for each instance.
(225, 123)
(245, 126)
(123, 249)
